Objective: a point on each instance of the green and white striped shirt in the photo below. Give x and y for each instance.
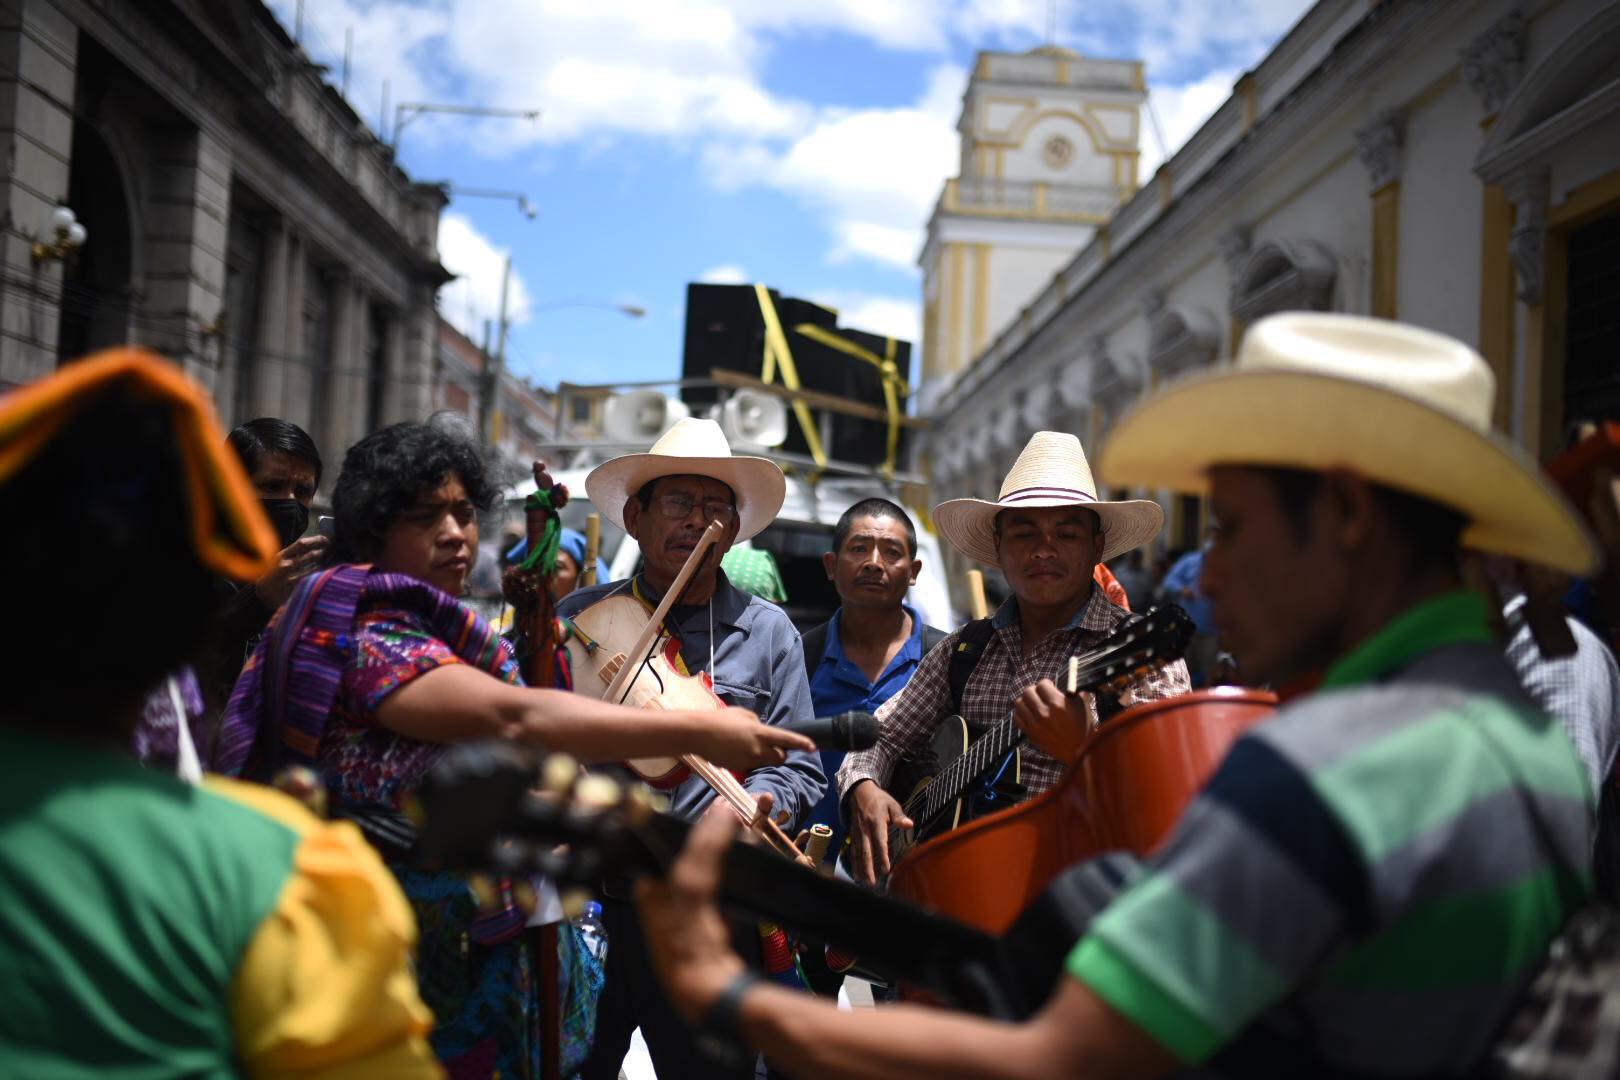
(1370, 878)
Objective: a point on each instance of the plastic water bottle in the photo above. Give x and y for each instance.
(592, 932)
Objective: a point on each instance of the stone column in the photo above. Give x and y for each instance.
(1379, 145)
(394, 406)
(270, 345)
(349, 388)
(1491, 66)
(38, 55)
(416, 368)
(187, 221)
(298, 364)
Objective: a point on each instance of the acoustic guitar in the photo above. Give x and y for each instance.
(972, 772)
(480, 811)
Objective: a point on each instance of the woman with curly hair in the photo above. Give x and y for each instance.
(373, 668)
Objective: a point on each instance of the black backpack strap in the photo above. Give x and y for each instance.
(931, 636)
(965, 657)
(815, 644)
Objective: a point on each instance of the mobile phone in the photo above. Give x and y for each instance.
(326, 525)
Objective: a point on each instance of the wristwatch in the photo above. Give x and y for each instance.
(719, 1034)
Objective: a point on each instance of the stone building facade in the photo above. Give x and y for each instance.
(1450, 164)
(242, 219)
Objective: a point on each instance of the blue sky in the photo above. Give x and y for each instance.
(796, 142)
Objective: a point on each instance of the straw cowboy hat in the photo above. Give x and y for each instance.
(1403, 407)
(1050, 471)
(698, 448)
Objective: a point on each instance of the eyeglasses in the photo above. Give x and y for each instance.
(679, 508)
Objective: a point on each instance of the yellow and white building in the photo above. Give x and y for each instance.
(1452, 164)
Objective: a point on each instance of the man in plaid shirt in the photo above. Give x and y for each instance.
(1047, 531)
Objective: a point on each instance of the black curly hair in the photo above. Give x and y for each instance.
(388, 472)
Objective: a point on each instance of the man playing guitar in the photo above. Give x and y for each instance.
(1047, 531)
(1371, 877)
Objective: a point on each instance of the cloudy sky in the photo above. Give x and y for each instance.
(797, 142)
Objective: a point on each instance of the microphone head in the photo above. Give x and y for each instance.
(857, 730)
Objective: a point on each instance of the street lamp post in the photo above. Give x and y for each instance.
(406, 111)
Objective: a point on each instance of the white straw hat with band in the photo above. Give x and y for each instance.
(1404, 407)
(1051, 471)
(692, 447)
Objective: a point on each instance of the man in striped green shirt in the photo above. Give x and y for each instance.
(1372, 876)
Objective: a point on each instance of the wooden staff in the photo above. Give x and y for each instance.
(977, 606)
(593, 544)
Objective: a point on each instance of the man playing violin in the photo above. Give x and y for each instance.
(665, 499)
(1047, 531)
(1372, 876)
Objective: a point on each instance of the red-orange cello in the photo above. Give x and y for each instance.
(1134, 777)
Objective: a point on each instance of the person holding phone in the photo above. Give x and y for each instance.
(284, 467)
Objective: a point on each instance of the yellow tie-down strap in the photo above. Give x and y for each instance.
(777, 354)
(894, 387)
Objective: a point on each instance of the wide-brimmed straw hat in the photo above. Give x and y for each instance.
(692, 447)
(1051, 471)
(1403, 407)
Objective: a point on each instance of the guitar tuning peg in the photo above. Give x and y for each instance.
(596, 792)
(638, 805)
(558, 774)
(573, 902)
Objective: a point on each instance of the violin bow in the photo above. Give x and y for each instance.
(725, 785)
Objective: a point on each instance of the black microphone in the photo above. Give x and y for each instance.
(846, 731)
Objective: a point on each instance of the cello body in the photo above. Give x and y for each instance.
(1134, 777)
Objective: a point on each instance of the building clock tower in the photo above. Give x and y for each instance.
(1049, 149)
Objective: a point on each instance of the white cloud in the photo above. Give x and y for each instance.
(725, 274)
(890, 316)
(475, 294)
(875, 173)
(696, 72)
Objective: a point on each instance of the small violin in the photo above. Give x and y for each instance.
(635, 662)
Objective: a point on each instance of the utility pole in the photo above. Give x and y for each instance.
(494, 363)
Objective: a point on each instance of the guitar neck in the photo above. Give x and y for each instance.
(959, 963)
(963, 774)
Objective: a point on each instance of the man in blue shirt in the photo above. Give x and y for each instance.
(1181, 586)
(866, 652)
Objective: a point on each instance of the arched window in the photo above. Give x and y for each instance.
(1284, 275)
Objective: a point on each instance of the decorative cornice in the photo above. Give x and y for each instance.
(1379, 144)
(1493, 63)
